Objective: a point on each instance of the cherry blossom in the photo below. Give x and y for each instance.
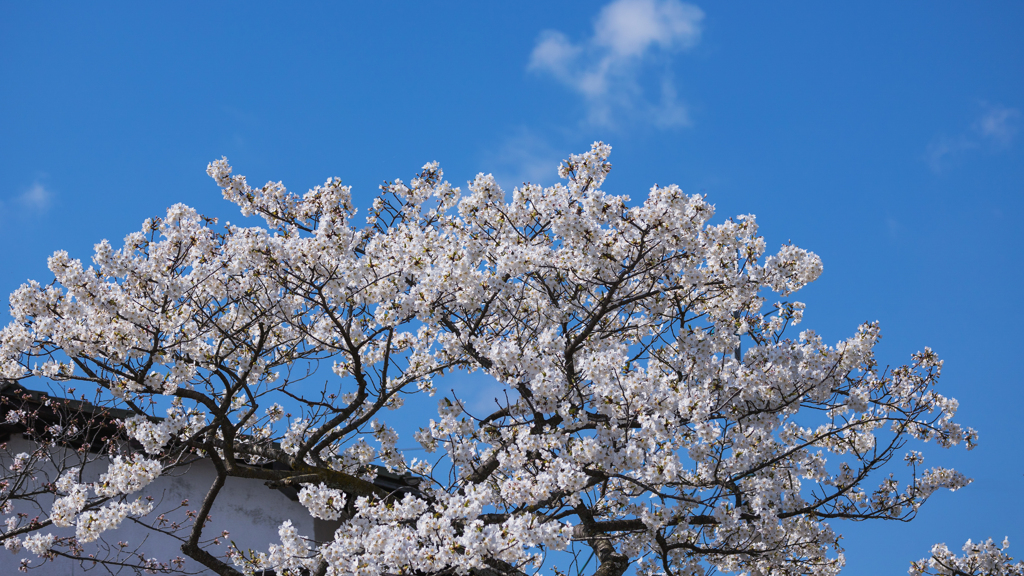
(657, 410)
(982, 558)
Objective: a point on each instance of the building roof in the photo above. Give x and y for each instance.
(99, 424)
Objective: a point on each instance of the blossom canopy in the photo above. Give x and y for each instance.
(656, 412)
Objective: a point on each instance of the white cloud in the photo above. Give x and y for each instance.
(524, 157)
(943, 149)
(998, 124)
(555, 54)
(37, 198)
(630, 27)
(484, 395)
(893, 226)
(670, 111)
(606, 69)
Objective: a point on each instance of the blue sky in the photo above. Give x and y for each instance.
(885, 137)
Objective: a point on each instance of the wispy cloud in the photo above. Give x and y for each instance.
(998, 124)
(893, 226)
(943, 149)
(483, 395)
(629, 37)
(524, 157)
(32, 201)
(996, 127)
(36, 199)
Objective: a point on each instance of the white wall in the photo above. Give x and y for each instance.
(248, 509)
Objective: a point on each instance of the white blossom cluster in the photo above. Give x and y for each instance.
(73, 506)
(979, 559)
(123, 476)
(155, 435)
(92, 523)
(127, 475)
(323, 502)
(654, 406)
(66, 507)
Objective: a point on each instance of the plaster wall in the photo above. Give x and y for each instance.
(247, 508)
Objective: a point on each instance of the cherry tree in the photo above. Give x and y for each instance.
(656, 411)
